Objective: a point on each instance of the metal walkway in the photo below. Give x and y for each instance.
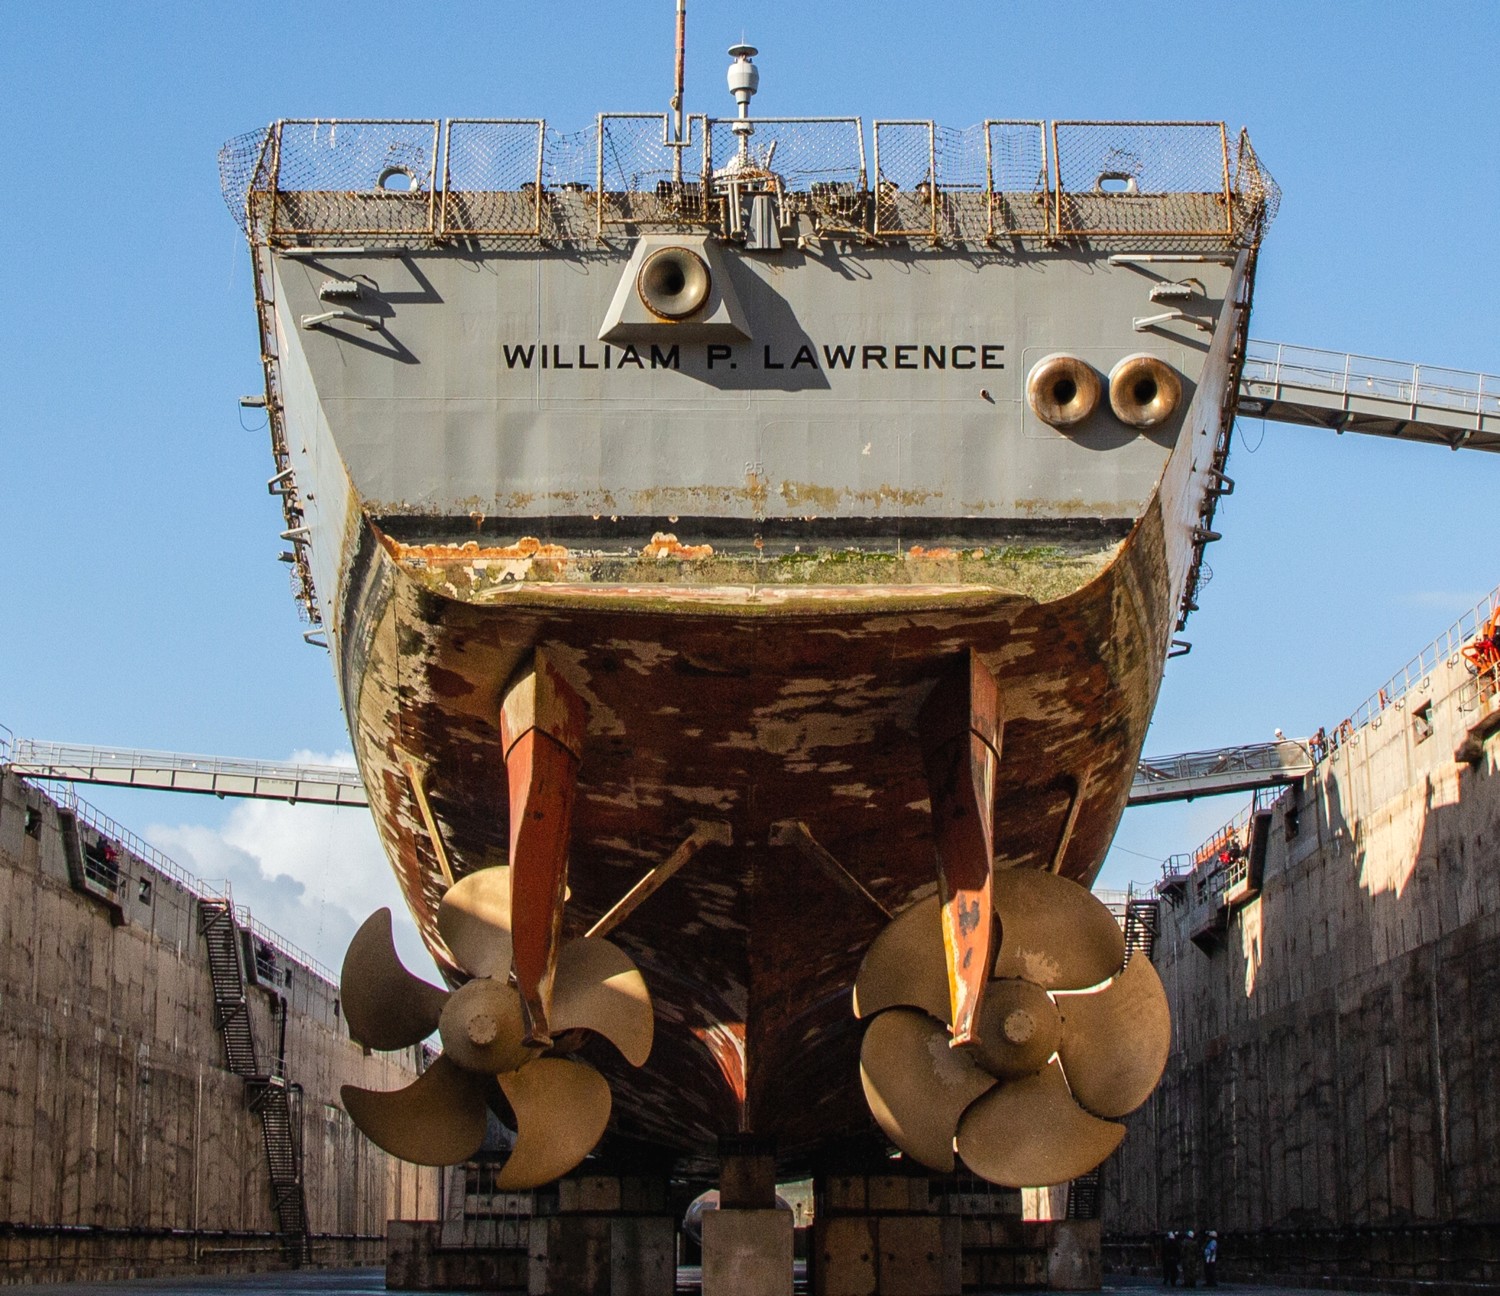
(175, 772)
(1228, 769)
(1352, 393)
(1160, 778)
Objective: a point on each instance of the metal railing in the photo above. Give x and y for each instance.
(1226, 769)
(281, 945)
(1416, 674)
(65, 795)
(1207, 874)
(1221, 860)
(179, 771)
(1003, 179)
(1277, 364)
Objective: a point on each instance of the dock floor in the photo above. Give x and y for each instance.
(371, 1282)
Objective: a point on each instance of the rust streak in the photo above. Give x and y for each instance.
(665, 545)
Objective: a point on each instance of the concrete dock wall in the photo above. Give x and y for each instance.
(1332, 1105)
(127, 1147)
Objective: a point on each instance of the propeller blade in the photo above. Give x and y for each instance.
(1053, 932)
(386, 1006)
(561, 1110)
(474, 919)
(599, 987)
(905, 965)
(916, 1085)
(1030, 1133)
(437, 1120)
(1115, 1043)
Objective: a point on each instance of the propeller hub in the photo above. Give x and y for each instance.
(482, 1028)
(1019, 1026)
(1019, 1029)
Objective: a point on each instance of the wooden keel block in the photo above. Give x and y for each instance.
(960, 727)
(542, 723)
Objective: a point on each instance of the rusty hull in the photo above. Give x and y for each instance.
(726, 707)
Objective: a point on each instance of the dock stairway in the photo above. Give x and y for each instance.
(1140, 924)
(267, 1092)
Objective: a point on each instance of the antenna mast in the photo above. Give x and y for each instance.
(677, 90)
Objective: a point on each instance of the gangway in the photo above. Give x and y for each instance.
(1354, 393)
(1225, 769)
(222, 776)
(1158, 778)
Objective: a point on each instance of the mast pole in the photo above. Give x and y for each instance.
(678, 89)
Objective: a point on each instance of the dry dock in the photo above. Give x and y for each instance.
(1333, 962)
(137, 1138)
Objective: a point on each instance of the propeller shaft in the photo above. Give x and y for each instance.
(541, 726)
(960, 729)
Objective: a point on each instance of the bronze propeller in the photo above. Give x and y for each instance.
(561, 1104)
(1070, 1037)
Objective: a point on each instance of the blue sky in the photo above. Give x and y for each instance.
(143, 603)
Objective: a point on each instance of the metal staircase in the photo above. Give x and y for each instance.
(1140, 925)
(1142, 922)
(276, 1102)
(1083, 1196)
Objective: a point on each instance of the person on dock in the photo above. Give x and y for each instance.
(1171, 1253)
(1192, 1259)
(1211, 1259)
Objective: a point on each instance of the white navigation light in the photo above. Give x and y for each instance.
(744, 81)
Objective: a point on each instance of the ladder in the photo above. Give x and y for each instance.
(277, 1103)
(1083, 1196)
(1142, 919)
(1140, 928)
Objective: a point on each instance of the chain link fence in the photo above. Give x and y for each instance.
(1257, 196)
(245, 168)
(1017, 179)
(646, 180)
(1117, 183)
(358, 178)
(492, 176)
(905, 178)
(1141, 180)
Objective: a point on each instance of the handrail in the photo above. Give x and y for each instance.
(1284, 759)
(47, 759)
(1185, 865)
(309, 177)
(252, 924)
(1445, 648)
(65, 795)
(1280, 364)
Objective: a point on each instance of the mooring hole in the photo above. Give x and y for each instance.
(397, 179)
(669, 278)
(1144, 391)
(1063, 390)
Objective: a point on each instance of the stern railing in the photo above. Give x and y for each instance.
(302, 181)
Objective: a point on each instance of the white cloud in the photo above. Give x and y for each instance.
(310, 873)
(1453, 602)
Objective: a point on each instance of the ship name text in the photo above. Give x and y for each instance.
(766, 356)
